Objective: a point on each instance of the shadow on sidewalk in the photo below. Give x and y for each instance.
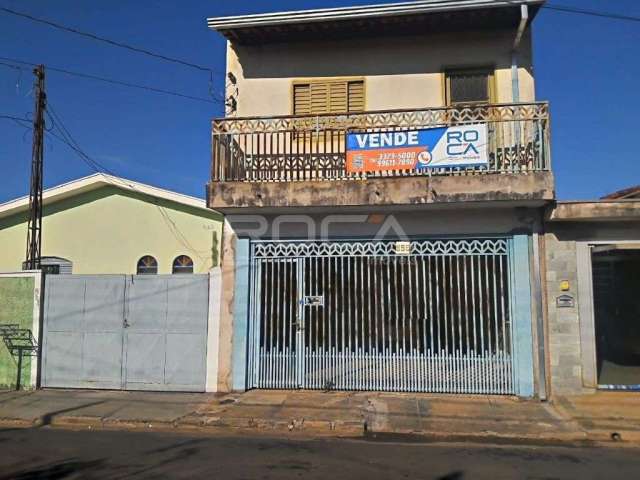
(47, 418)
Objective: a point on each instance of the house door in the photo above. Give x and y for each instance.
(616, 284)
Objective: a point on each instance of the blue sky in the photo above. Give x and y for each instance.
(587, 67)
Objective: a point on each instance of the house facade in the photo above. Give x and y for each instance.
(125, 298)
(109, 225)
(591, 263)
(384, 173)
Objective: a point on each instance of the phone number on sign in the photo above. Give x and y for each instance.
(396, 158)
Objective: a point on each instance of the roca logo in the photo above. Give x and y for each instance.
(462, 142)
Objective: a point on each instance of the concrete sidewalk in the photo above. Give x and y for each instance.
(599, 418)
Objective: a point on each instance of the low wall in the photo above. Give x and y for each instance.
(19, 304)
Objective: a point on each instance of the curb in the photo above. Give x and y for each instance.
(303, 428)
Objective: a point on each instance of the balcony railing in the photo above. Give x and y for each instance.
(299, 148)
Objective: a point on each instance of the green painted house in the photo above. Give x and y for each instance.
(103, 224)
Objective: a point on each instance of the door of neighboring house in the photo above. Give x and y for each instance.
(422, 316)
(131, 332)
(617, 315)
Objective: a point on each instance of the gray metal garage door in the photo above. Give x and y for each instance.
(125, 332)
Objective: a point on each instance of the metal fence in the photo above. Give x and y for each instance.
(297, 148)
(360, 316)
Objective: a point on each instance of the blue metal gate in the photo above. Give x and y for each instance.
(420, 316)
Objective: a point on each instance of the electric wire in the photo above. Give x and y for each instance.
(110, 80)
(108, 41)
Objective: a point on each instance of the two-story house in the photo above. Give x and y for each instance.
(383, 171)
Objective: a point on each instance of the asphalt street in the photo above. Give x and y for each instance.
(47, 453)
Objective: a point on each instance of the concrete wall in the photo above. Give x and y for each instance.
(382, 191)
(19, 304)
(109, 229)
(400, 72)
(571, 336)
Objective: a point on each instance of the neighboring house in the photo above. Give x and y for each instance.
(624, 194)
(592, 260)
(104, 225)
(384, 172)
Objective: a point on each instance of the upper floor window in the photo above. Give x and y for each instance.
(147, 265)
(469, 86)
(182, 264)
(316, 97)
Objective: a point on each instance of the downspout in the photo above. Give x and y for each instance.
(515, 80)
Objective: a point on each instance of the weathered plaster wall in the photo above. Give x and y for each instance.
(109, 229)
(399, 72)
(16, 307)
(225, 346)
(384, 191)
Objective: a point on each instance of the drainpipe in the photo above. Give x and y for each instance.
(515, 81)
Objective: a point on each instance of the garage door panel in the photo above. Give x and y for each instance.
(61, 347)
(187, 303)
(102, 358)
(145, 358)
(185, 360)
(104, 303)
(147, 303)
(65, 305)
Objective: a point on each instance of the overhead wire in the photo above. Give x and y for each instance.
(109, 80)
(63, 135)
(99, 168)
(108, 41)
(594, 13)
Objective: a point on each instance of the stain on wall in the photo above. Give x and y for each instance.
(16, 307)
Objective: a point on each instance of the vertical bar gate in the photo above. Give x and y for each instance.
(363, 316)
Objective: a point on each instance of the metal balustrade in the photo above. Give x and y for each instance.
(303, 148)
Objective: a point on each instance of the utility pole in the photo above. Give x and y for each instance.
(34, 228)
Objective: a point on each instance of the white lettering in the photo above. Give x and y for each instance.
(362, 140)
(386, 139)
(400, 138)
(413, 138)
(374, 140)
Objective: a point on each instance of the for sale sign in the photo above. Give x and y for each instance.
(443, 147)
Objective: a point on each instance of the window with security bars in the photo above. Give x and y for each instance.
(469, 86)
(328, 96)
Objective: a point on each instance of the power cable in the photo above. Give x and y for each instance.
(594, 13)
(112, 81)
(71, 142)
(108, 41)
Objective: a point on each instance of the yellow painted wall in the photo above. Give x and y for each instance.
(399, 72)
(107, 231)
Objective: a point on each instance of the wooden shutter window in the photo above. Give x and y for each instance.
(319, 98)
(302, 99)
(332, 96)
(356, 96)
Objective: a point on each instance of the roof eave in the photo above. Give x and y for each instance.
(99, 180)
(222, 24)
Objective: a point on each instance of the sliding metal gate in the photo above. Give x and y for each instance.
(421, 316)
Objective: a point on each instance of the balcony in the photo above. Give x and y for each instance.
(301, 161)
